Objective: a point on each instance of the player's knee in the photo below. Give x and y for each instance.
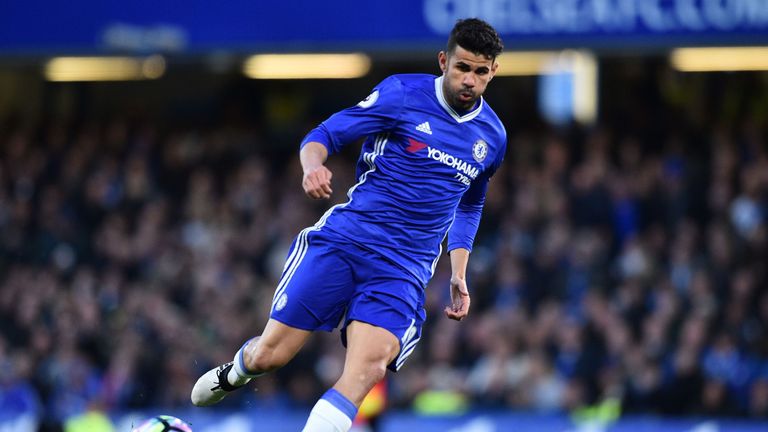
(372, 373)
(375, 366)
(378, 372)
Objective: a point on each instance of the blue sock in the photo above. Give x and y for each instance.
(341, 402)
(333, 412)
(240, 362)
(239, 374)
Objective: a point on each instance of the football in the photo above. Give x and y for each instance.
(163, 423)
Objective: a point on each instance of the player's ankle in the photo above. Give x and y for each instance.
(240, 374)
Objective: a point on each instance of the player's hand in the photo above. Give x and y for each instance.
(317, 182)
(460, 301)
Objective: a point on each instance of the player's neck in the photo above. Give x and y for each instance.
(462, 111)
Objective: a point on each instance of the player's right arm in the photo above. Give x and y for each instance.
(375, 114)
(317, 177)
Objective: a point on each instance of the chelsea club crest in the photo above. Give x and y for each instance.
(480, 150)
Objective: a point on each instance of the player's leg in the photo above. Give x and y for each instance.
(383, 326)
(369, 350)
(276, 346)
(312, 293)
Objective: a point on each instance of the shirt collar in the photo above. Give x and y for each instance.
(459, 118)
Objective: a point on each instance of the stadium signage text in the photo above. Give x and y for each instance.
(244, 26)
(601, 16)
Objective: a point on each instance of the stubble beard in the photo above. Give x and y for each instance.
(454, 98)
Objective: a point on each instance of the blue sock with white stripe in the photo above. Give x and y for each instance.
(332, 413)
(239, 374)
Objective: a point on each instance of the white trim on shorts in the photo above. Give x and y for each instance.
(302, 241)
(407, 345)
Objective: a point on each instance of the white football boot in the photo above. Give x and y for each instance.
(213, 386)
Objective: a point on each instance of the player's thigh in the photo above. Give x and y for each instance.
(369, 350)
(367, 343)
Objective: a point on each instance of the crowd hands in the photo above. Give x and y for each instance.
(134, 259)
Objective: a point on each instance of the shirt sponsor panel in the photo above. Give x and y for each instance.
(453, 162)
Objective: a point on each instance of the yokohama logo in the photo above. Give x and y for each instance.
(444, 158)
(452, 162)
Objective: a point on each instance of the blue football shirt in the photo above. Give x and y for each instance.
(422, 173)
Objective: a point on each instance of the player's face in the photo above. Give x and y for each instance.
(466, 75)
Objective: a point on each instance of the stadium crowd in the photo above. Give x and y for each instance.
(609, 265)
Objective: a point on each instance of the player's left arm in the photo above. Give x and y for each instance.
(461, 236)
(460, 299)
(460, 239)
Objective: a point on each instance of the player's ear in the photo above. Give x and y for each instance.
(494, 68)
(442, 60)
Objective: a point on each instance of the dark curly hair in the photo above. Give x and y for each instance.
(477, 36)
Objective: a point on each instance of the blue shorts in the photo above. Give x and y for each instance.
(326, 284)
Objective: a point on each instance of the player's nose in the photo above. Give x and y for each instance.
(469, 80)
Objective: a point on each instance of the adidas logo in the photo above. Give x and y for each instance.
(424, 127)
